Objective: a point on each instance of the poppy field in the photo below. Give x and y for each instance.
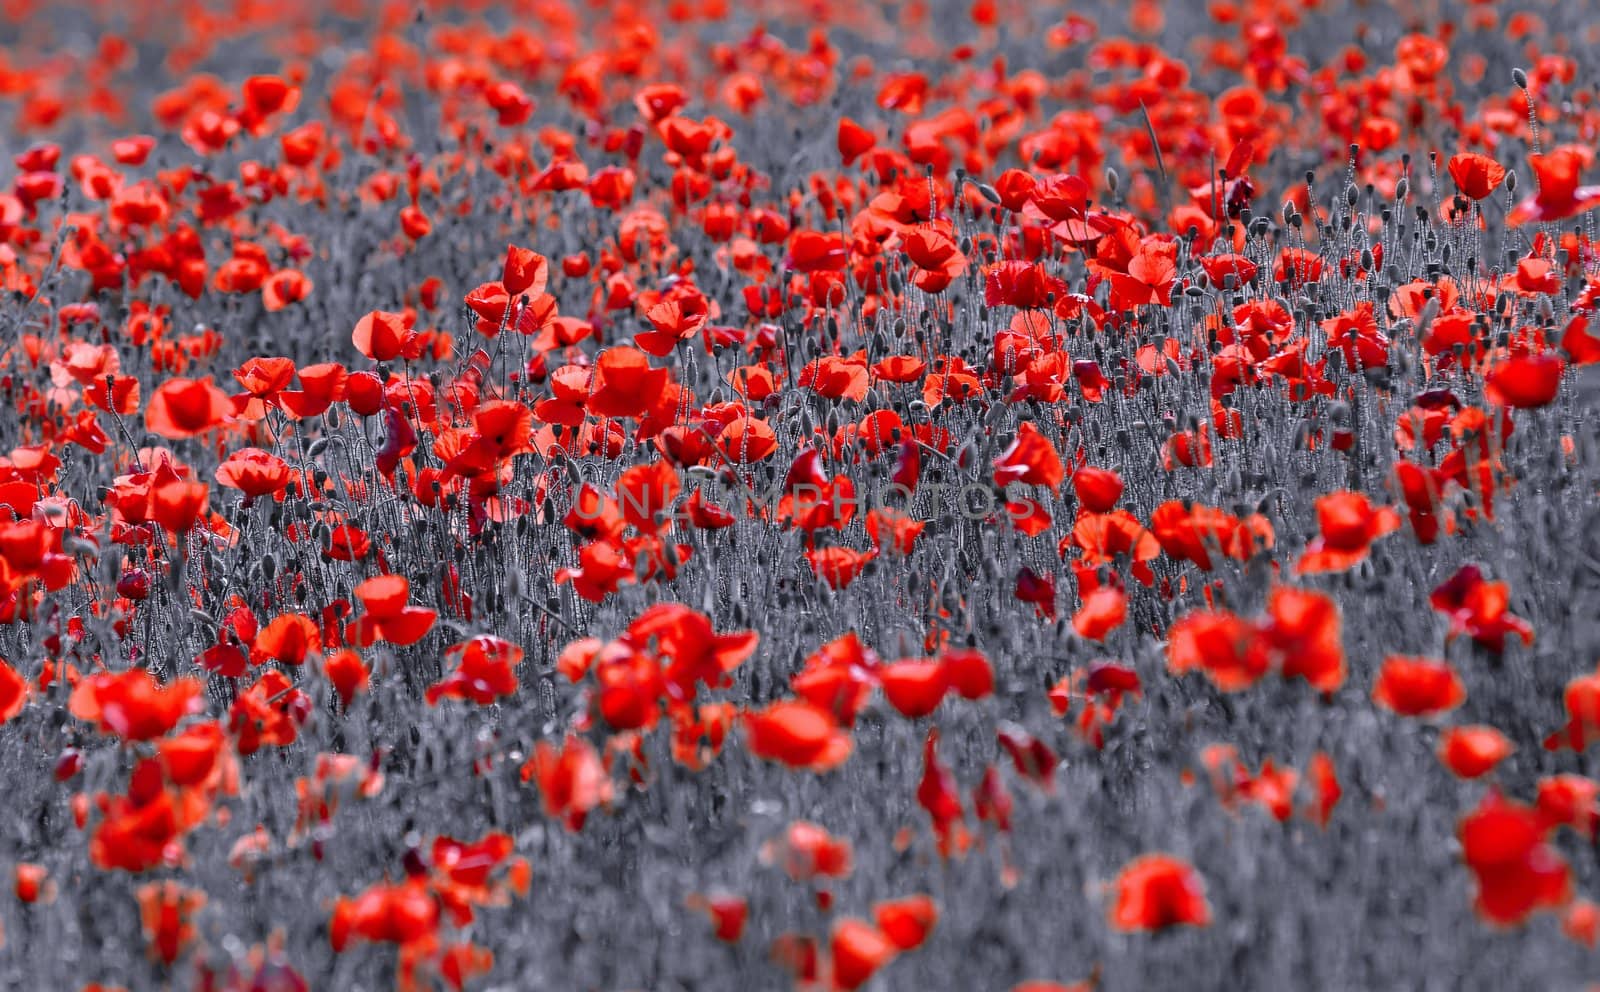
(688, 495)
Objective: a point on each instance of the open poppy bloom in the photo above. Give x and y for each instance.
(485, 670)
(1031, 459)
(914, 687)
(1472, 752)
(270, 712)
(1570, 801)
(1557, 194)
(13, 692)
(797, 734)
(320, 387)
(1413, 686)
(406, 913)
(166, 911)
(838, 677)
(1582, 701)
(382, 336)
(347, 673)
(1476, 176)
(572, 780)
(1196, 533)
(1157, 891)
(1524, 382)
(1349, 524)
(857, 950)
(133, 705)
(807, 851)
(906, 922)
(1103, 611)
(839, 566)
(181, 408)
(1479, 609)
(388, 616)
(1224, 646)
(1503, 843)
(254, 472)
(289, 638)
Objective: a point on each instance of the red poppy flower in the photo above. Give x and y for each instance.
(347, 674)
(1476, 175)
(1349, 525)
(1517, 872)
(1557, 194)
(914, 687)
(857, 950)
(13, 692)
(388, 617)
(1220, 644)
(572, 781)
(1472, 752)
(728, 914)
(1524, 382)
(254, 472)
(797, 734)
(1103, 611)
(1582, 700)
(485, 670)
(403, 914)
(1097, 489)
(288, 639)
(1412, 686)
(1326, 792)
(624, 383)
(1030, 459)
(181, 408)
(807, 851)
(853, 140)
(1157, 891)
(133, 705)
(382, 336)
(1480, 609)
(906, 922)
(166, 913)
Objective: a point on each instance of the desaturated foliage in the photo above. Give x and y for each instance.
(687, 495)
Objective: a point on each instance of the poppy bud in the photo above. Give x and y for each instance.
(134, 584)
(68, 764)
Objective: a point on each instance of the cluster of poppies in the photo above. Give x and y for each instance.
(682, 495)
